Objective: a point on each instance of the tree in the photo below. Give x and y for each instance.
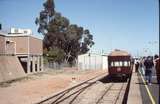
(45, 16)
(87, 42)
(62, 37)
(55, 55)
(56, 35)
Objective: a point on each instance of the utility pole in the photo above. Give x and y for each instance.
(152, 44)
(0, 26)
(89, 60)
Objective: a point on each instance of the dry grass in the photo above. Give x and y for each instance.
(47, 72)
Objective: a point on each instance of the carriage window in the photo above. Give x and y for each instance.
(128, 63)
(112, 64)
(125, 63)
(120, 63)
(116, 63)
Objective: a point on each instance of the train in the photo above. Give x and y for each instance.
(119, 64)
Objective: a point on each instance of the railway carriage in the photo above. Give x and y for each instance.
(119, 63)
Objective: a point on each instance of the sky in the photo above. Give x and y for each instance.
(131, 25)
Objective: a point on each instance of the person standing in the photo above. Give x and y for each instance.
(142, 67)
(137, 66)
(157, 66)
(148, 63)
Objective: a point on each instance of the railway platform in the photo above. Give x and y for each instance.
(142, 93)
(134, 95)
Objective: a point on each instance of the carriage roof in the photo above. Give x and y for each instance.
(119, 53)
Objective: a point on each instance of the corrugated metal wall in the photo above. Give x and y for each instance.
(92, 61)
(2, 44)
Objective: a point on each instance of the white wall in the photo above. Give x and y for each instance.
(94, 61)
(105, 63)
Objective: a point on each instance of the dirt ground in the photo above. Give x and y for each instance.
(35, 87)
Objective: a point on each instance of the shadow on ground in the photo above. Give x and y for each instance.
(109, 79)
(113, 79)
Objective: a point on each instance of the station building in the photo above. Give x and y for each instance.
(23, 45)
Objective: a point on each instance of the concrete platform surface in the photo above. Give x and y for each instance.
(134, 96)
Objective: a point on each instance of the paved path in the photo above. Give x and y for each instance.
(150, 93)
(134, 96)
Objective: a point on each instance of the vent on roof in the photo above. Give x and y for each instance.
(20, 31)
(117, 50)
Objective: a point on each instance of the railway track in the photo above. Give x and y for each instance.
(112, 94)
(92, 91)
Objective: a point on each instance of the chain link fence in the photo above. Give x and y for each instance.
(55, 66)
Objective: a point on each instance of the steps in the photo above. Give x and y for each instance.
(10, 68)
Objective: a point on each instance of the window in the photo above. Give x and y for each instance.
(16, 30)
(120, 63)
(116, 63)
(125, 63)
(128, 63)
(7, 42)
(25, 32)
(112, 64)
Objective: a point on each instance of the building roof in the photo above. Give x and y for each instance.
(17, 35)
(119, 53)
(2, 33)
(23, 35)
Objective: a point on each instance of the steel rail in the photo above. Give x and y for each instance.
(76, 92)
(62, 93)
(119, 93)
(108, 88)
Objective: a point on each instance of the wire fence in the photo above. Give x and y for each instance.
(55, 66)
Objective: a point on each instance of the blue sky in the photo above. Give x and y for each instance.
(122, 24)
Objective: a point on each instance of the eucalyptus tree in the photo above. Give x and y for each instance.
(62, 41)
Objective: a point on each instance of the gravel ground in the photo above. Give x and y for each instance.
(34, 87)
(96, 94)
(92, 94)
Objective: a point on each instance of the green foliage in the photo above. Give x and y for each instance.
(62, 41)
(56, 55)
(45, 16)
